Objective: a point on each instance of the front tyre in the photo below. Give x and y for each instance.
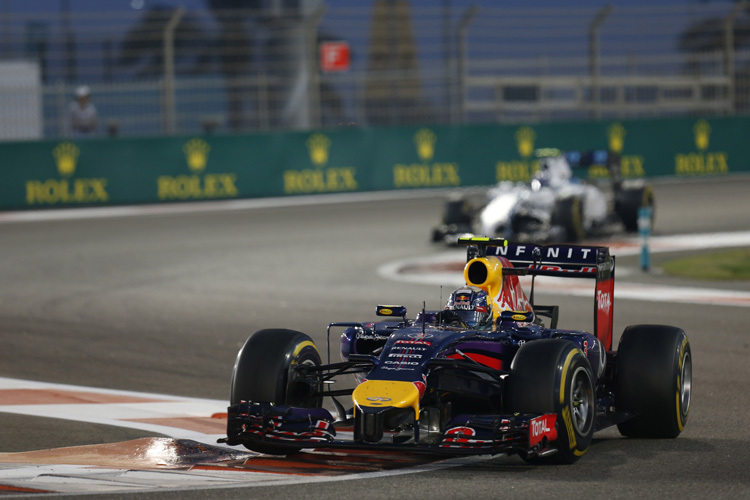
(266, 371)
(654, 381)
(554, 376)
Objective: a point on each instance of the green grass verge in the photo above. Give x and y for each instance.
(727, 265)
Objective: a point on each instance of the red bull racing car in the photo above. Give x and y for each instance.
(491, 373)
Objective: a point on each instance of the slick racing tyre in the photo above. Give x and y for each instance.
(439, 234)
(568, 214)
(265, 372)
(457, 211)
(554, 376)
(629, 201)
(653, 380)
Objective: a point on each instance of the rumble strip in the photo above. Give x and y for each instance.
(182, 454)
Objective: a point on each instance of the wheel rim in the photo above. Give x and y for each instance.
(293, 376)
(582, 401)
(686, 380)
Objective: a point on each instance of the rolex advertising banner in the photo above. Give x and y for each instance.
(37, 174)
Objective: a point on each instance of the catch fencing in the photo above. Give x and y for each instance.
(171, 71)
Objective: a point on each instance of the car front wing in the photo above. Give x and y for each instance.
(294, 427)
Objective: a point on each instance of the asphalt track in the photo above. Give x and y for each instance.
(159, 303)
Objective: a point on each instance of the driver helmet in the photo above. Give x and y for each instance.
(553, 171)
(472, 306)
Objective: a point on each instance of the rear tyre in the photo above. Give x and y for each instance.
(554, 376)
(457, 219)
(438, 234)
(458, 212)
(629, 201)
(568, 214)
(264, 371)
(653, 380)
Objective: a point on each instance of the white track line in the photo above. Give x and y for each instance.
(119, 414)
(180, 208)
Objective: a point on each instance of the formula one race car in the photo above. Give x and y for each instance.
(483, 376)
(555, 205)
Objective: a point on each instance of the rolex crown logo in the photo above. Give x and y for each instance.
(702, 132)
(196, 153)
(425, 140)
(616, 134)
(317, 146)
(66, 157)
(525, 137)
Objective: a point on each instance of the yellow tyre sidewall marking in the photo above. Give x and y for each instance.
(299, 348)
(566, 408)
(680, 422)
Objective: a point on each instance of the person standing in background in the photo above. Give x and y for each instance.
(82, 117)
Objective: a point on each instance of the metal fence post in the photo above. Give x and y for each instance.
(169, 101)
(314, 105)
(594, 69)
(62, 109)
(729, 51)
(462, 55)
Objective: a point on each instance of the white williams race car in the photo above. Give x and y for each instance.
(555, 205)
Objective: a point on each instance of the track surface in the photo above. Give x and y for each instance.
(161, 304)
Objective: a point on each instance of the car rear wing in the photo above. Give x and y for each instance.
(561, 260)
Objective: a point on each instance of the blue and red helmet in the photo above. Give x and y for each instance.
(472, 306)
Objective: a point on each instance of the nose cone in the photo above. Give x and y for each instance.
(385, 394)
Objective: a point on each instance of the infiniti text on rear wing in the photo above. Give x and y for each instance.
(568, 261)
(571, 261)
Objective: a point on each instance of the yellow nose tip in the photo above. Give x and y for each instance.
(386, 393)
